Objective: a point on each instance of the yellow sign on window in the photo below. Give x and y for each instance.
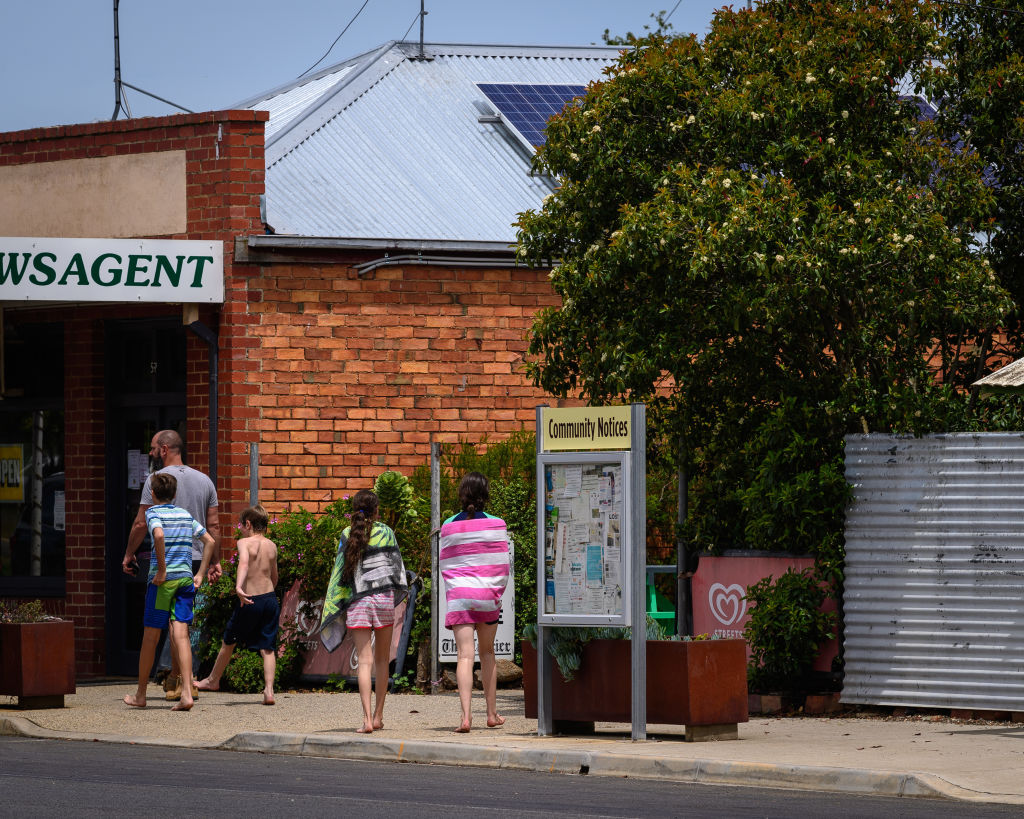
(12, 470)
(585, 428)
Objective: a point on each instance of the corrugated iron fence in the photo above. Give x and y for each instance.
(934, 600)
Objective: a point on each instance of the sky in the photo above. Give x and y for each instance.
(57, 59)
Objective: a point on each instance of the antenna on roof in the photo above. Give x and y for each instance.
(423, 13)
(120, 85)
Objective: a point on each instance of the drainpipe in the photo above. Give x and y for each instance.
(210, 338)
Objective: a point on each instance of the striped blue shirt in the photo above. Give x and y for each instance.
(179, 527)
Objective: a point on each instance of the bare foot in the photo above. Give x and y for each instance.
(496, 722)
(364, 730)
(268, 699)
(134, 701)
(206, 685)
(183, 705)
(378, 725)
(464, 728)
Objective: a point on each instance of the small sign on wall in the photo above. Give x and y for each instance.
(12, 471)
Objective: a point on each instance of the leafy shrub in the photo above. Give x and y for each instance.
(786, 629)
(28, 611)
(566, 643)
(244, 673)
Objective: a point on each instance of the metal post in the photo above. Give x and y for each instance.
(254, 474)
(638, 535)
(36, 543)
(682, 586)
(545, 723)
(435, 524)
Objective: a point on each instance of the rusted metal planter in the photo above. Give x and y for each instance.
(37, 662)
(701, 685)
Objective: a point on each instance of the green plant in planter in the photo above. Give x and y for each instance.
(786, 629)
(566, 643)
(28, 611)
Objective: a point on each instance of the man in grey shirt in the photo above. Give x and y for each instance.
(196, 494)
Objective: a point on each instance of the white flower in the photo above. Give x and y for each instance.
(759, 256)
(796, 220)
(780, 258)
(704, 259)
(662, 241)
(895, 237)
(851, 221)
(574, 157)
(691, 119)
(908, 238)
(831, 140)
(845, 114)
(726, 183)
(843, 251)
(874, 78)
(595, 129)
(771, 50)
(809, 79)
(867, 221)
(931, 257)
(831, 71)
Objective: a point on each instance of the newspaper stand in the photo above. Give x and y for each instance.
(592, 536)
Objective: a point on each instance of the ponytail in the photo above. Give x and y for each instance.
(364, 510)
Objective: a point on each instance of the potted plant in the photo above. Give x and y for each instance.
(698, 683)
(37, 655)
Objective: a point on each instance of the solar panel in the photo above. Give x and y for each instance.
(527, 108)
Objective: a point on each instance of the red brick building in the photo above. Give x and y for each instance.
(364, 307)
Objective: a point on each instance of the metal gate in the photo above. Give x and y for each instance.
(934, 599)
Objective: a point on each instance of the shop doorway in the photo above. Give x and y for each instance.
(146, 377)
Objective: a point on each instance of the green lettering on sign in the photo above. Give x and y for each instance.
(200, 262)
(97, 270)
(49, 274)
(12, 267)
(134, 267)
(76, 267)
(163, 265)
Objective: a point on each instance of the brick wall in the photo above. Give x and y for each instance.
(353, 375)
(224, 180)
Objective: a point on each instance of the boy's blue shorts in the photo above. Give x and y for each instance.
(171, 600)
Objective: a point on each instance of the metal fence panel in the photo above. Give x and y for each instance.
(934, 596)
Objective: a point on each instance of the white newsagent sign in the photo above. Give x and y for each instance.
(111, 270)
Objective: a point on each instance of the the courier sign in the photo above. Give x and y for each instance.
(111, 270)
(572, 430)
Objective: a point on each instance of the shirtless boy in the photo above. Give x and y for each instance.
(254, 621)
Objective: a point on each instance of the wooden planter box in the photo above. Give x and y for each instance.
(37, 662)
(700, 684)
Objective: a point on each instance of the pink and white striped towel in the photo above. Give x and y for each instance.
(474, 565)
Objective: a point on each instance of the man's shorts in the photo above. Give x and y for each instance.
(172, 600)
(254, 626)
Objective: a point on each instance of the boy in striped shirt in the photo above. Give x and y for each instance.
(171, 592)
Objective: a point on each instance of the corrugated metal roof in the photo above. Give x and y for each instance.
(388, 146)
(934, 589)
(1008, 379)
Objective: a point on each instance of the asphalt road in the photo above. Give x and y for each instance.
(44, 778)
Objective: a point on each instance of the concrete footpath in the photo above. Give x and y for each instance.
(929, 757)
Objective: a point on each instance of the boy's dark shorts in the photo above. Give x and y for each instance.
(255, 626)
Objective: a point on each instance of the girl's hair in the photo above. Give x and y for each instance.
(473, 493)
(257, 516)
(364, 510)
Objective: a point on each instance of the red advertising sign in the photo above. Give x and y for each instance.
(720, 602)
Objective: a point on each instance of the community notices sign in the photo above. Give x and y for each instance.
(585, 428)
(12, 469)
(111, 270)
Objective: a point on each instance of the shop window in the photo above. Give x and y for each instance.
(32, 491)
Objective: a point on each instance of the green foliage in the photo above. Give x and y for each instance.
(397, 498)
(759, 239)
(244, 673)
(980, 79)
(27, 611)
(566, 643)
(786, 629)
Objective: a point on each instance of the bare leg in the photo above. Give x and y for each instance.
(183, 651)
(269, 667)
(150, 637)
(364, 654)
(212, 683)
(381, 661)
(464, 673)
(489, 672)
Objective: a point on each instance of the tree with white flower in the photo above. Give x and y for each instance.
(766, 285)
